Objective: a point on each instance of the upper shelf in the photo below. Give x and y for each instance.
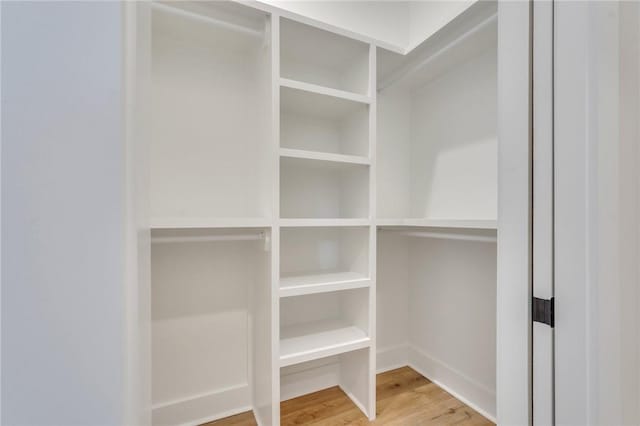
(469, 34)
(439, 223)
(323, 58)
(209, 222)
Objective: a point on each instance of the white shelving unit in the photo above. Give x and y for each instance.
(316, 228)
(326, 113)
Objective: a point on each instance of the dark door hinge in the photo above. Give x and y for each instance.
(543, 311)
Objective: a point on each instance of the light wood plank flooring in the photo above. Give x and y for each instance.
(404, 398)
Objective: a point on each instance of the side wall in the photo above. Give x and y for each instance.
(63, 208)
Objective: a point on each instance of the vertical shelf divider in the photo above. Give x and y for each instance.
(373, 235)
(275, 236)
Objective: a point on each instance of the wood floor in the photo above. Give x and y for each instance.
(404, 398)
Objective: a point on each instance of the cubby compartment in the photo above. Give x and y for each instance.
(316, 260)
(323, 123)
(321, 189)
(319, 57)
(350, 371)
(209, 290)
(321, 325)
(210, 112)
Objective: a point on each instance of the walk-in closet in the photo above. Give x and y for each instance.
(323, 208)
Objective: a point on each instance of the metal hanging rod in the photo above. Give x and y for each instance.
(207, 19)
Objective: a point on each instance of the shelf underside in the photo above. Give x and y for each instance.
(309, 341)
(439, 223)
(209, 222)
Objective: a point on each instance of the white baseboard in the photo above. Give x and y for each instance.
(202, 408)
(462, 387)
(391, 358)
(295, 382)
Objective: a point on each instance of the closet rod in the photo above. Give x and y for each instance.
(449, 236)
(208, 238)
(406, 71)
(207, 19)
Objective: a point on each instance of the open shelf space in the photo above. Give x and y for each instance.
(320, 57)
(323, 123)
(320, 189)
(309, 254)
(322, 283)
(210, 107)
(321, 90)
(323, 156)
(204, 284)
(437, 149)
(309, 341)
(321, 325)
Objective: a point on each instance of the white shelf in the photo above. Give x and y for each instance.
(209, 222)
(323, 156)
(292, 223)
(440, 223)
(322, 283)
(309, 341)
(319, 105)
(327, 91)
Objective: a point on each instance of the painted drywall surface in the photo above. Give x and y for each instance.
(405, 24)
(427, 17)
(393, 148)
(455, 145)
(452, 286)
(63, 215)
(383, 20)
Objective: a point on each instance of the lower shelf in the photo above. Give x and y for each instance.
(309, 341)
(321, 283)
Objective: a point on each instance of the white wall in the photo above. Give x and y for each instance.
(383, 20)
(404, 24)
(452, 317)
(63, 206)
(454, 144)
(427, 17)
